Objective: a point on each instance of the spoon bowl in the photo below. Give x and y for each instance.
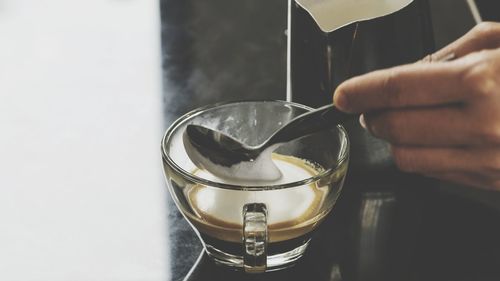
(226, 157)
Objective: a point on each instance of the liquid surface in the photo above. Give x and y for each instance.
(291, 212)
(333, 14)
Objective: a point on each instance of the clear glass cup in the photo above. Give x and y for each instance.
(257, 226)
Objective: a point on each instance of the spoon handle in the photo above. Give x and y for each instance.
(314, 121)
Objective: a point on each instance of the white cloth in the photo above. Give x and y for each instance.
(81, 191)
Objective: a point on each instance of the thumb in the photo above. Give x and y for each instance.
(485, 35)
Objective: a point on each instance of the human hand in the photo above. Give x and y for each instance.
(442, 119)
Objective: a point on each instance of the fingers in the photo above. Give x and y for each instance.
(432, 160)
(485, 35)
(475, 167)
(468, 179)
(442, 119)
(484, 162)
(439, 126)
(420, 84)
(404, 86)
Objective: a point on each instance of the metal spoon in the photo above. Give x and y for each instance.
(218, 153)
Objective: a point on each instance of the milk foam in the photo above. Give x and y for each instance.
(261, 169)
(285, 205)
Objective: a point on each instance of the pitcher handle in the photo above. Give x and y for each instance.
(255, 238)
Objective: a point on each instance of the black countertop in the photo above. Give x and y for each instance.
(224, 50)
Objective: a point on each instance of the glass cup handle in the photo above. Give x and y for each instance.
(255, 238)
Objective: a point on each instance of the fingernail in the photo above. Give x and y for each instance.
(340, 100)
(362, 121)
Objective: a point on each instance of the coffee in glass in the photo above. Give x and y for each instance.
(257, 225)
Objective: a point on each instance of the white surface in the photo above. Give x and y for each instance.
(81, 191)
